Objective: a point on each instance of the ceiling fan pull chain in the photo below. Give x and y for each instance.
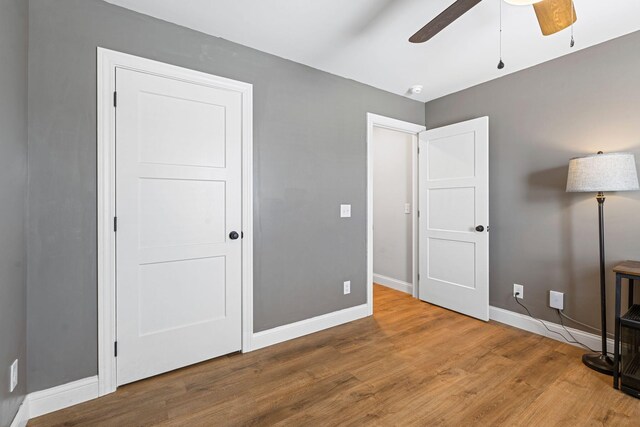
(500, 64)
(573, 42)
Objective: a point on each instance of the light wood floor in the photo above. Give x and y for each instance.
(411, 364)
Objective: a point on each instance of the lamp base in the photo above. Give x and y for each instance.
(598, 362)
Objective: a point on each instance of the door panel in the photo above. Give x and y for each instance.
(451, 262)
(197, 302)
(451, 209)
(454, 199)
(178, 196)
(452, 156)
(181, 212)
(205, 145)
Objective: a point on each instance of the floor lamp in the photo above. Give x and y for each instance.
(599, 173)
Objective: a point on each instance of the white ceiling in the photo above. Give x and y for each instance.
(366, 40)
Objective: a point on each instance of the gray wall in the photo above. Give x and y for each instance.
(542, 237)
(13, 182)
(310, 130)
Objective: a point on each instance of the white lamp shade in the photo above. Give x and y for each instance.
(522, 2)
(603, 172)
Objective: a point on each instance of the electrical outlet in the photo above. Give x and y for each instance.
(407, 208)
(347, 287)
(13, 376)
(556, 300)
(345, 211)
(518, 289)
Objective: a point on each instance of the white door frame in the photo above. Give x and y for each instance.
(108, 60)
(374, 120)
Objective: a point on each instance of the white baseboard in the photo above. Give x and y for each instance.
(53, 399)
(525, 322)
(62, 396)
(22, 417)
(392, 283)
(306, 327)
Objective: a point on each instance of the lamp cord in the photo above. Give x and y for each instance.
(571, 335)
(575, 341)
(562, 313)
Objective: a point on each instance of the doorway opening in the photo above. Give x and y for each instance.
(447, 242)
(392, 211)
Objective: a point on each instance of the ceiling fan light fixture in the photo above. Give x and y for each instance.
(555, 15)
(522, 2)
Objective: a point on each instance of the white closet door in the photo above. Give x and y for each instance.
(178, 200)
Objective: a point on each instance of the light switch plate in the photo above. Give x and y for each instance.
(13, 376)
(347, 287)
(345, 211)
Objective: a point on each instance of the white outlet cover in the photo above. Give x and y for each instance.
(345, 211)
(556, 300)
(347, 287)
(407, 208)
(13, 377)
(520, 289)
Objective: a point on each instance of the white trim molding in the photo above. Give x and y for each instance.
(522, 321)
(63, 396)
(375, 120)
(56, 398)
(308, 326)
(392, 283)
(22, 417)
(108, 62)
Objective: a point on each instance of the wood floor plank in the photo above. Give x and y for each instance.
(410, 364)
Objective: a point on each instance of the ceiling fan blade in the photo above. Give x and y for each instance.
(555, 15)
(440, 22)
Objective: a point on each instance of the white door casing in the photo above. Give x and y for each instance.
(178, 196)
(373, 121)
(454, 200)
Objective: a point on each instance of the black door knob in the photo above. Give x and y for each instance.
(233, 235)
(480, 228)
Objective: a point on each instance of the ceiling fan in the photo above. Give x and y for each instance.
(553, 16)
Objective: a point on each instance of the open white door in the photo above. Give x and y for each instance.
(454, 217)
(179, 219)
